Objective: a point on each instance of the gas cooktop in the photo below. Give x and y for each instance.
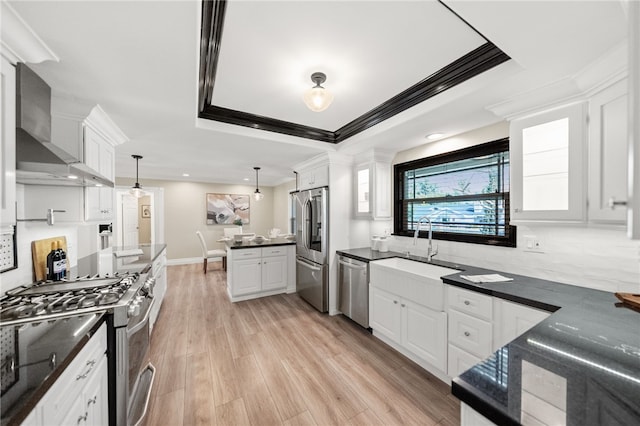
(52, 299)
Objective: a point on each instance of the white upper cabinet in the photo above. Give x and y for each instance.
(99, 154)
(314, 177)
(8, 153)
(372, 190)
(608, 154)
(547, 161)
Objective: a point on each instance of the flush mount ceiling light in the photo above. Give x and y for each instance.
(318, 98)
(257, 195)
(136, 190)
(434, 136)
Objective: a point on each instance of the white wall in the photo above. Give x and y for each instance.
(281, 205)
(185, 213)
(81, 241)
(600, 257)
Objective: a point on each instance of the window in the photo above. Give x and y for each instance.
(465, 193)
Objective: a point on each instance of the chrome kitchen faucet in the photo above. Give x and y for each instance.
(430, 251)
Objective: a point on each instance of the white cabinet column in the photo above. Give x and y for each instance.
(8, 159)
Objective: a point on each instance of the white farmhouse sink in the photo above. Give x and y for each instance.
(426, 270)
(415, 281)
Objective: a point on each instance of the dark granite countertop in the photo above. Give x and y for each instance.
(367, 255)
(589, 341)
(252, 244)
(22, 390)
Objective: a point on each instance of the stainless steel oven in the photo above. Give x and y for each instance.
(128, 299)
(133, 378)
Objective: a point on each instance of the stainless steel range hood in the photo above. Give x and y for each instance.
(39, 161)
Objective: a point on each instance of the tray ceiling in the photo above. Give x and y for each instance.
(254, 71)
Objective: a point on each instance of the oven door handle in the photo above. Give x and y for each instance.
(142, 323)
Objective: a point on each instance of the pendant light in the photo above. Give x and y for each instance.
(318, 98)
(257, 195)
(136, 190)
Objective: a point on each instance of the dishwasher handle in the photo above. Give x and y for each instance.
(352, 265)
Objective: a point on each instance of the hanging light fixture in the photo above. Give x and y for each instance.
(257, 195)
(136, 190)
(318, 98)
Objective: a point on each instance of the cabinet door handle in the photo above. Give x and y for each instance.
(613, 203)
(91, 364)
(466, 302)
(395, 301)
(82, 418)
(466, 333)
(92, 400)
(402, 304)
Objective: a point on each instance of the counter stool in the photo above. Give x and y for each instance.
(210, 254)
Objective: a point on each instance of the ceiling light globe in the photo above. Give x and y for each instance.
(258, 195)
(136, 192)
(318, 98)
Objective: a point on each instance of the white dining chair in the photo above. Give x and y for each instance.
(210, 254)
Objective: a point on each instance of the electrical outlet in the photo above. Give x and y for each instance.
(532, 244)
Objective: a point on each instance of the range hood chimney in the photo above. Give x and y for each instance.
(39, 161)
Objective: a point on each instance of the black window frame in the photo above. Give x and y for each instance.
(493, 147)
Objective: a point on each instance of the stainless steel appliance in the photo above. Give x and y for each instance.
(312, 246)
(353, 289)
(40, 160)
(128, 298)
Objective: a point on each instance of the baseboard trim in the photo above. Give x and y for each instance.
(190, 260)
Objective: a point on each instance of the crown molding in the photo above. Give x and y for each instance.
(100, 121)
(600, 74)
(473, 63)
(19, 42)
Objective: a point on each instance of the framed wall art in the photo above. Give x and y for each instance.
(227, 209)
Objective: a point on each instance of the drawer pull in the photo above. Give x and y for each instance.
(395, 302)
(91, 364)
(466, 302)
(92, 400)
(403, 305)
(466, 333)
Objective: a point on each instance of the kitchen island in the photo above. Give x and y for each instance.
(260, 269)
(580, 365)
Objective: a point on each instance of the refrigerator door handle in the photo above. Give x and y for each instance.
(307, 224)
(308, 265)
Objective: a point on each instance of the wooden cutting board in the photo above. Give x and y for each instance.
(39, 251)
(629, 299)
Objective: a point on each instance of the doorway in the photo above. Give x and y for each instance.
(137, 218)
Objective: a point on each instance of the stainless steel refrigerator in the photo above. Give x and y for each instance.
(312, 246)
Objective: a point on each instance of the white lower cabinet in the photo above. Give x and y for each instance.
(512, 320)
(470, 417)
(414, 328)
(80, 396)
(257, 272)
(159, 269)
(425, 333)
(470, 329)
(385, 316)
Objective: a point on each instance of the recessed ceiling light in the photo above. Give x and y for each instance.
(72, 177)
(245, 179)
(185, 174)
(433, 136)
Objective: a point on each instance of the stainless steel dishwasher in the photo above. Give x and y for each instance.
(353, 289)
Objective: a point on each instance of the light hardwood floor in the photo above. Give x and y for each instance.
(276, 360)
